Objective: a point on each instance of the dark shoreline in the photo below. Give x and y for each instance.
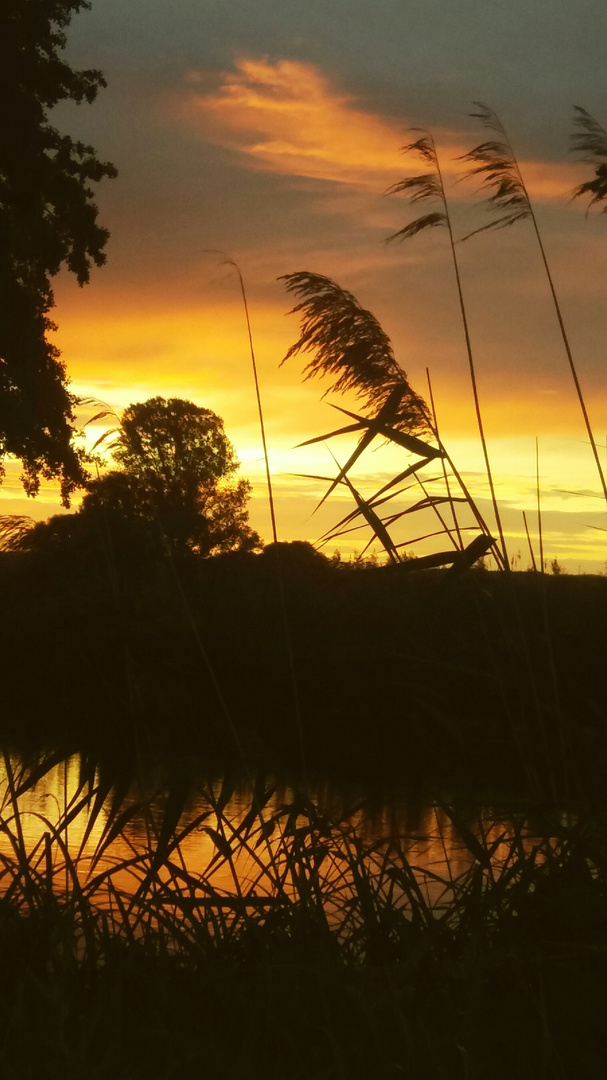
(475, 685)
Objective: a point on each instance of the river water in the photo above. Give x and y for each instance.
(236, 847)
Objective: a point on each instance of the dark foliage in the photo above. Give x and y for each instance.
(178, 464)
(47, 220)
(438, 681)
(176, 490)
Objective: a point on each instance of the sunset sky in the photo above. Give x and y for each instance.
(270, 129)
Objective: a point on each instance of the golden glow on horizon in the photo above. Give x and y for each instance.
(136, 338)
(203, 352)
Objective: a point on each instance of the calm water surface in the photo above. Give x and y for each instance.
(235, 849)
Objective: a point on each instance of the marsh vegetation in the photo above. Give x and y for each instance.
(264, 811)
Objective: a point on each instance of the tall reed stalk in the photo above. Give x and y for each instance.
(283, 602)
(496, 162)
(430, 187)
(231, 262)
(540, 533)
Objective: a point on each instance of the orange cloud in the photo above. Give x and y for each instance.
(287, 117)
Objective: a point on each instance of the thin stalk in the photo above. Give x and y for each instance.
(445, 528)
(477, 406)
(531, 551)
(283, 604)
(539, 508)
(231, 262)
(259, 408)
(576, 381)
(444, 464)
(518, 197)
(497, 553)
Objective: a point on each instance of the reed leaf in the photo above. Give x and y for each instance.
(430, 536)
(410, 471)
(395, 435)
(375, 522)
(347, 430)
(474, 551)
(590, 146)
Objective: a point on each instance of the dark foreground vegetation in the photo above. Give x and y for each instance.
(359, 978)
(478, 684)
(331, 959)
(335, 955)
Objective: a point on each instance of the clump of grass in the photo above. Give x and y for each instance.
(343, 954)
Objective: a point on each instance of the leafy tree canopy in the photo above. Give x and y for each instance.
(174, 446)
(178, 466)
(176, 485)
(47, 220)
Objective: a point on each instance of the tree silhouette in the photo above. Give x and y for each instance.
(47, 219)
(176, 489)
(177, 478)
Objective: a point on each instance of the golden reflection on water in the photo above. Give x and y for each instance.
(217, 856)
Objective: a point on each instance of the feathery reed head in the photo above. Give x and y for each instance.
(427, 186)
(590, 144)
(495, 163)
(349, 345)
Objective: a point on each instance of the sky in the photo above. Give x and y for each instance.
(270, 131)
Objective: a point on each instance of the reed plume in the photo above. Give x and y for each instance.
(429, 186)
(348, 344)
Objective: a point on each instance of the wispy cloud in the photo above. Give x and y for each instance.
(288, 117)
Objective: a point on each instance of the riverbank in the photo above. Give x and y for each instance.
(332, 958)
(477, 684)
